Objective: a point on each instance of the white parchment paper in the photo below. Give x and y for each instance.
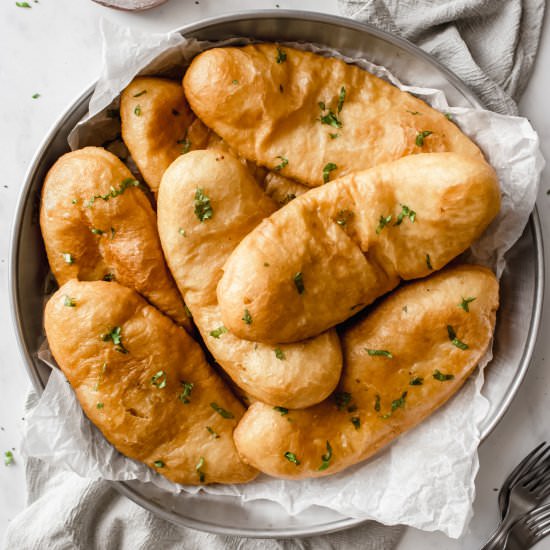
(425, 478)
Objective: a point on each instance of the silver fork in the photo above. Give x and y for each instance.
(535, 457)
(529, 490)
(530, 529)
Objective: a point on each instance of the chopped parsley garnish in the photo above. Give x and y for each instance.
(203, 210)
(399, 403)
(247, 318)
(428, 262)
(342, 399)
(279, 354)
(69, 302)
(216, 333)
(212, 432)
(406, 212)
(75, 201)
(8, 458)
(465, 304)
(384, 220)
(109, 277)
(329, 167)
(326, 458)
(127, 182)
(282, 164)
(334, 136)
(159, 379)
(116, 337)
(181, 231)
(454, 340)
(416, 381)
(291, 457)
(68, 258)
(140, 93)
(137, 110)
(420, 137)
(330, 118)
(186, 393)
(22, 4)
(356, 421)
(377, 403)
(343, 217)
(99, 406)
(282, 410)
(187, 312)
(234, 82)
(449, 116)
(341, 98)
(289, 197)
(438, 375)
(299, 282)
(198, 468)
(159, 464)
(35, 96)
(221, 412)
(414, 112)
(379, 352)
(185, 145)
(96, 231)
(281, 56)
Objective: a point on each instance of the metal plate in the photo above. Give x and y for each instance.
(521, 284)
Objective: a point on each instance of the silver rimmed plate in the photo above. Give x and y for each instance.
(521, 283)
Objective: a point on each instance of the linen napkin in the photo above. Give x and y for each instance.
(491, 45)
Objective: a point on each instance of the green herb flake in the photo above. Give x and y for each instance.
(414, 112)
(187, 312)
(438, 375)
(289, 197)
(334, 136)
(23, 5)
(341, 98)
(279, 354)
(291, 457)
(74, 201)
(384, 220)
(185, 395)
(299, 282)
(420, 137)
(356, 421)
(343, 217)
(116, 336)
(99, 406)
(449, 116)
(8, 458)
(109, 277)
(137, 110)
(379, 353)
(139, 94)
(216, 333)
(465, 304)
(96, 231)
(35, 96)
(159, 379)
(185, 145)
(69, 302)
(282, 164)
(454, 340)
(406, 212)
(198, 468)
(377, 403)
(329, 167)
(234, 82)
(282, 410)
(68, 258)
(342, 399)
(326, 458)
(159, 464)
(222, 412)
(416, 381)
(429, 262)
(247, 318)
(330, 118)
(212, 433)
(181, 231)
(203, 210)
(113, 192)
(281, 56)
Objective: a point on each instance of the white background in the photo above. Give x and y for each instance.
(54, 49)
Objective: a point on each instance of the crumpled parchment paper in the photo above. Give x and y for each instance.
(426, 477)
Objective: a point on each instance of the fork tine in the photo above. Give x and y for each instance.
(538, 514)
(543, 490)
(524, 466)
(531, 479)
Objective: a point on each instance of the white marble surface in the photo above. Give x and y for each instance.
(54, 49)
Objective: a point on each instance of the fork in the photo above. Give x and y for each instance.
(535, 457)
(529, 490)
(530, 529)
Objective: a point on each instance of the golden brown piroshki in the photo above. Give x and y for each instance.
(335, 249)
(207, 203)
(315, 118)
(402, 361)
(98, 224)
(145, 383)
